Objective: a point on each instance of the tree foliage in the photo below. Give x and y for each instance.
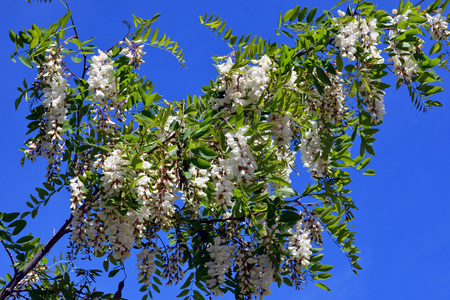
(201, 188)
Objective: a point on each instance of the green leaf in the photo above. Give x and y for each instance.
(76, 59)
(199, 163)
(311, 15)
(205, 152)
(113, 273)
(323, 276)
(106, 265)
(433, 103)
(202, 131)
(24, 239)
(339, 63)
(302, 14)
(9, 217)
(369, 172)
(322, 286)
(364, 163)
(279, 180)
(323, 76)
(415, 19)
(25, 61)
(286, 192)
(18, 225)
(259, 197)
(290, 217)
(183, 293)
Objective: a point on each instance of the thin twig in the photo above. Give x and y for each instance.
(36, 259)
(10, 257)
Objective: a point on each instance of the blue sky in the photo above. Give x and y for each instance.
(402, 222)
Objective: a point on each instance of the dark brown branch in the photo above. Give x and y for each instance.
(10, 257)
(36, 259)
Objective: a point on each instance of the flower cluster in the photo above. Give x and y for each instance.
(241, 165)
(133, 52)
(330, 105)
(146, 265)
(346, 40)
(282, 138)
(102, 85)
(221, 255)
(358, 32)
(404, 65)
(51, 77)
(243, 86)
(77, 195)
(101, 80)
(438, 27)
(262, 275)
(299, 244)
(114, 169)
(373, 98)
(311, 150)
(313, 228)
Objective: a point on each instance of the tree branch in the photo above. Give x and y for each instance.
(36, 259)
(10, 257)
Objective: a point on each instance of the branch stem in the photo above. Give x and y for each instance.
(36, 259)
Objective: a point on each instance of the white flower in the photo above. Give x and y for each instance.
(299, 244)
(221, 255)
(311, 149)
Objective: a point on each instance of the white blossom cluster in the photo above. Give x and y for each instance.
(164, 197)
(199, 179)
(243, 86)
(102, 85)
(241, 165)
(241, 157)
(133, 52)
(358, 32)
(329, 106)
(54, 102)
(118, 229)
(311, 150)
(299, 244)
(146, 265)
(77, 196)
(101, 79)
(313, 228)
(404, 65)
(114, 172)
(438, 27)
(373, 99)
(282, 137)
(256, 273)
(369, 39)
(262, 275)
(346, 40)
(102, 224)
(221, 255)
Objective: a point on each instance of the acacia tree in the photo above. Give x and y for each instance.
(201, 187)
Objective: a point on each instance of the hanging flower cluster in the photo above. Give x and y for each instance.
(52, 79)
(405, 66)
(240, 164)
(300, 245)
(133, 51)
(312, 150)
(438, 27)
(221, 255)
(330, 105)
(243, 86)
(102, 85)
